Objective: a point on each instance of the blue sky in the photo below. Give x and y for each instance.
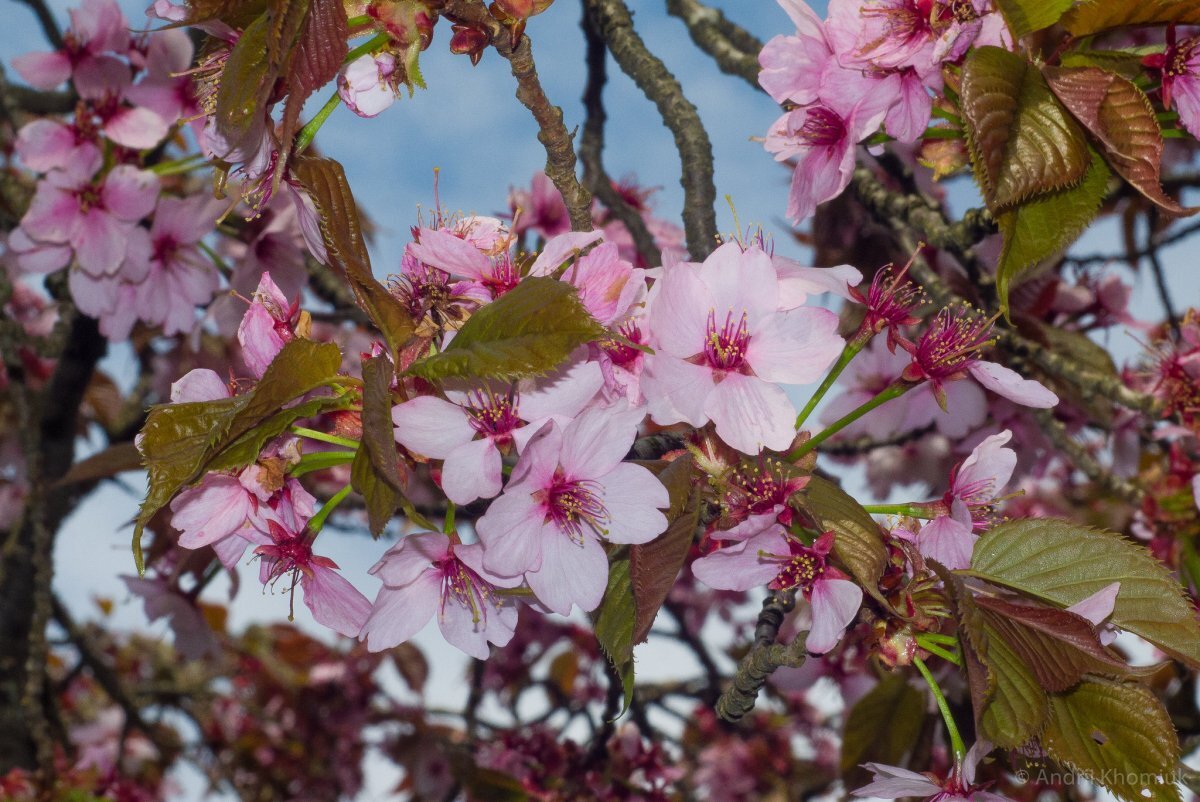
(470, 126)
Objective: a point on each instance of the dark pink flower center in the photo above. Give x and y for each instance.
(902, 22)
(625, 354)
(800, 568)
(89, 197)
(822, 127)
(760, 489)
(504, 276)
(725, 348)
(573, 504)
(953, 342)
(493, 415)
(890, 300)
(465, 587)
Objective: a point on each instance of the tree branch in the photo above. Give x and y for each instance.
(1083, 459)
(734, 49)
(764, 657)
(46, 19)
(591, 146)
(612, 19)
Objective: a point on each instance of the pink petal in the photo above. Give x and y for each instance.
(679, 312)
(443, 250)
(400, 613)
(1010, 384)
(1099, 606)
(571, 573)
(563, 393)
(676, 391)
(947, 541)
(199, 384)
(751, 414)
(742, 566)
(795, 347)
(99, 242)
(561, 248)
(259, 339)
(216, 508)
(136, 128)
(229, 550)
(334, 602)
(431, 427)
(989, 466)
(471, 630)
(43, 71)
(835, 603)
(891, 782)
(741, 282)
(472, 471)
(415, 554)
(634, 497)
(129, 193)
(598, 440)
(796, 283)
(513, 532)
(471, 555)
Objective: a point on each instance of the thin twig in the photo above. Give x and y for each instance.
(1160, 279)
(733, 48)
(591, 146)
(552, 133)
(1155, 243)
(612, 19)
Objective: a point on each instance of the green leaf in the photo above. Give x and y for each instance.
(528, 331)
(1120, 118)
(1059, 647)
(857, 542)
(1064, 563)
(1126, 63)
(654, 566)
(246, 84)
(614, 623)
(375, 472)
(882, 727)
(317, 58)
(181, 441)
(341, 229)
(1026, 16)
(1022, 141)
(1100, 15)
(174, 443)
(1118, 735)
(1046, 225)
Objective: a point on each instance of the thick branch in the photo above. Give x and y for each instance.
(612, 19)
(1083, 459)
(47, 21)
(764, 658)
(591, 146)
(734, 49)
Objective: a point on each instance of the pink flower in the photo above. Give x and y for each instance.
(267, 325)
(974, 484)
(792, 65)
(470, 430)
(427, 573)
(539, 209)
(891, 782)
(621, 362)
(949, 349)
(93, 215)
(608, 285)
(569, 490)
(781, 562)
(97, 27)
(106, 91)
(180, 277)
(166, 90)
(489, 268)
(48, 144)
(334, 602)
(1180, 66)
(722, 344)
(368, 85)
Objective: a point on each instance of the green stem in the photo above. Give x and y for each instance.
(908, 510)
(182, 165)
(332, 439)
(894, 390)
(370, 46)
(956, 741)
(848, 353)
(305, 137)
(933, 648)
(448, 523)
(320, 460)
(221, 264)
(318, 520)
(937, 637)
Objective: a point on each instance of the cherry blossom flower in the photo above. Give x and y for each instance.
(368, 85)
(97, 28)
(471, 429)
(722, 344)
(48, 144)
(429, 573)
(974, 485)
(781, 562)
(166, 89)
(608, 285)
(756, 497)
(539, 209)
(334, 602)
(267, 326)
(892, 782)
(1180, 67)
(180, 276)
(949, 349)
(93, 214)
(569, 490)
